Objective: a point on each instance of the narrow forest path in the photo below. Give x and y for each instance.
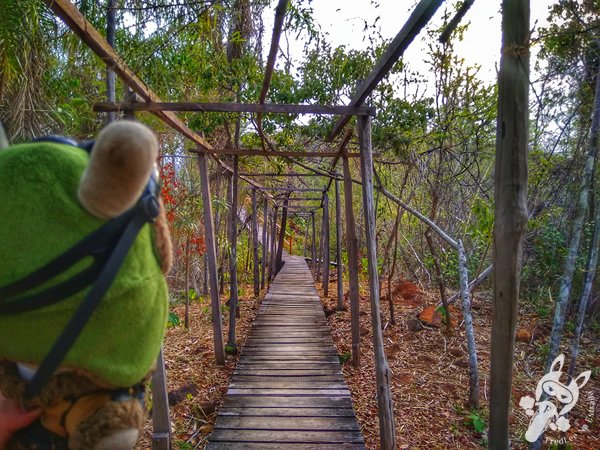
(288, 390)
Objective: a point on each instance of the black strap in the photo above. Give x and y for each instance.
(98, 245)
(76, 324)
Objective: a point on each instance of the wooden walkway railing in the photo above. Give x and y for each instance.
(287, 390)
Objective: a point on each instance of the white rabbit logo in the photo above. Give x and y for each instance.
(556, 394)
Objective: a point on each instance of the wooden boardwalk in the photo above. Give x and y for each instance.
(287, 390)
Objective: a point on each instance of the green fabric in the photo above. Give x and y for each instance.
(40, 218)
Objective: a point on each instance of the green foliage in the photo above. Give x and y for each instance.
(173, 320)
(345, 357)
(231, 349)
(475, 420)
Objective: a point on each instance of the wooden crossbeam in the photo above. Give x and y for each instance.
(73, 18)
(417, 20)
(96, 42)
(291, 189)
(260, 152)
(158, 106)
(250, 174)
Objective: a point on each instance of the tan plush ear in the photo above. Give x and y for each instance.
(121, 162)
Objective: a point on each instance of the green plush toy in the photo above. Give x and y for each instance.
(53, 195)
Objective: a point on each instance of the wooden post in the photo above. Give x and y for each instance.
(320, 252)
(326, 244)
(273, 260)
(313, 248)
(284, 212)
(511, 211)
(265, 245)
(233, 289)
(255, 263)
(382, 372)
(161, 423)
(305, 239)
(211, 253)
(352, 247)
(338, 246)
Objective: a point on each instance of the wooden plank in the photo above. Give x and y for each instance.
(284, 384)
(285, 175)
(288, 392)
(162, 107)
(280, 445)
(287, 402)
(287, 412)
(305, 437)
(290, 423)
(417, 20)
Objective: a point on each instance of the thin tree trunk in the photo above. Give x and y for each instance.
(510, 219)
(587, 290)
(471, 346)
(571, 260)
(385, 404)
(233, 290)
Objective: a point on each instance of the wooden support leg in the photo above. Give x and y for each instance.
(352, 246)
(265, 245)
(338, 246)
(255, 263)
(326, 244)
(313, 248)
(279, 263)
(273, 261)
(211, 253)
(233, 290)
(161, 423)
(382, 372)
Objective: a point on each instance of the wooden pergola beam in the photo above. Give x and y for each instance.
(73, 18)
(156, 106)
(293, 175)
(291, 189)
(260, 152)
(417, 20)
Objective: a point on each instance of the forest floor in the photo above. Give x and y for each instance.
(429, 374)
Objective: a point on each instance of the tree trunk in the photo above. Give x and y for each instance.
(571, 260)
(385, 404)
(590, 274)
(510, 220)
